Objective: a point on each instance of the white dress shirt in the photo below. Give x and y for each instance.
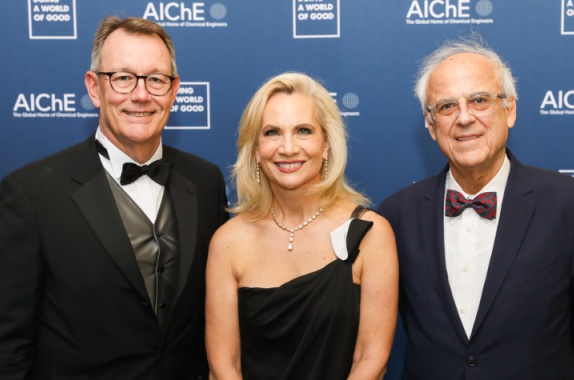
(468, 243)
(145, 192)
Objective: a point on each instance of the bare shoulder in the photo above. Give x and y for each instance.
(380, 239)
(342, 210)
(232, 246)
(234, 234)
(378, 252)
(232, 227)
(380, 224)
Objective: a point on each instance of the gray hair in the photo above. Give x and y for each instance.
(473, 44)
(132, 26)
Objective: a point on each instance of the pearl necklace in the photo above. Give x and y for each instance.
(292, 230)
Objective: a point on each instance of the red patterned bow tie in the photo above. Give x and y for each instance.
(484, 204)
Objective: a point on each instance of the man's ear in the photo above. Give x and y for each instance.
(92, 85)
(430, 126)
(511, 118)
(174, 89)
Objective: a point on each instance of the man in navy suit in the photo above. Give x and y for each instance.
(485, 247)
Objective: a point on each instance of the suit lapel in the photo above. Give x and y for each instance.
(515, 217)
(98, 206)
(432, 226)
(184, 198)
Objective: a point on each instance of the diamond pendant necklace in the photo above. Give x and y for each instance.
(292, 230)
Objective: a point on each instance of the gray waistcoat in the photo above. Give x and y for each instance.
(156, 247)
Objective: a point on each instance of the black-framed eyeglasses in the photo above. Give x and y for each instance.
(125, 82)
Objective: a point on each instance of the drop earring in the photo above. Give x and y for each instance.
(325, 167)
(258, 178)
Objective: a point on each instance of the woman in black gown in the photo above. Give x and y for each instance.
(303, 283)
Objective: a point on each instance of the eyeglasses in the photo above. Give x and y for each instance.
(478, 105)
(124, 82)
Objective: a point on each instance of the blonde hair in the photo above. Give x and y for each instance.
(255, 199)
(133, 26)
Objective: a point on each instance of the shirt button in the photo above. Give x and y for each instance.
(469, 228)
(463, 310)
(162, 305)
(465, 269)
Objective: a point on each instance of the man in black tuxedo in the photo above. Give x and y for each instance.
(486, 246)
(103, 245)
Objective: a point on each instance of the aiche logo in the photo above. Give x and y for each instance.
(191, 107)
(558, 103)
(567, 17)
(483, 8)
(188, 14)
(218, 11)
(316, 19)
(52, 19)
(48, 105)
(348, 104)
(440, 12)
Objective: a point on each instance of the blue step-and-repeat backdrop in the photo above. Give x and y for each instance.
(366, 52)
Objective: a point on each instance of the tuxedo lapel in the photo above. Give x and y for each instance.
(515, 217)
(432, 227)
(184, 198)
(98, 206)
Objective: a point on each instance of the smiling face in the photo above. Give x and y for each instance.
(470, 142)
(291, 143)
(136, 119)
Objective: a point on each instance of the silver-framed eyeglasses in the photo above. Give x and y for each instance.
(478, 105)
(125, 82)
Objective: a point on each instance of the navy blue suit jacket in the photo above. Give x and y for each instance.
(523, 329)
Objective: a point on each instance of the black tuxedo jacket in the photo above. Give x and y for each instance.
(73, 304)
(523, 329)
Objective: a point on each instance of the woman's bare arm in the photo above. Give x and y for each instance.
(221, 314)
(379, 298)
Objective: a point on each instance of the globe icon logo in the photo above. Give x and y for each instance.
(218, 11)
(484, 7)
(86, 103)
(350, 100)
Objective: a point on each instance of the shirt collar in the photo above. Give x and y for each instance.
(119, 158)
(497, 184)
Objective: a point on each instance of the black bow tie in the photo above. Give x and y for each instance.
(158, 170)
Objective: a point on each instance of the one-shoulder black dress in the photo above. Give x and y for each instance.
(305, 329)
